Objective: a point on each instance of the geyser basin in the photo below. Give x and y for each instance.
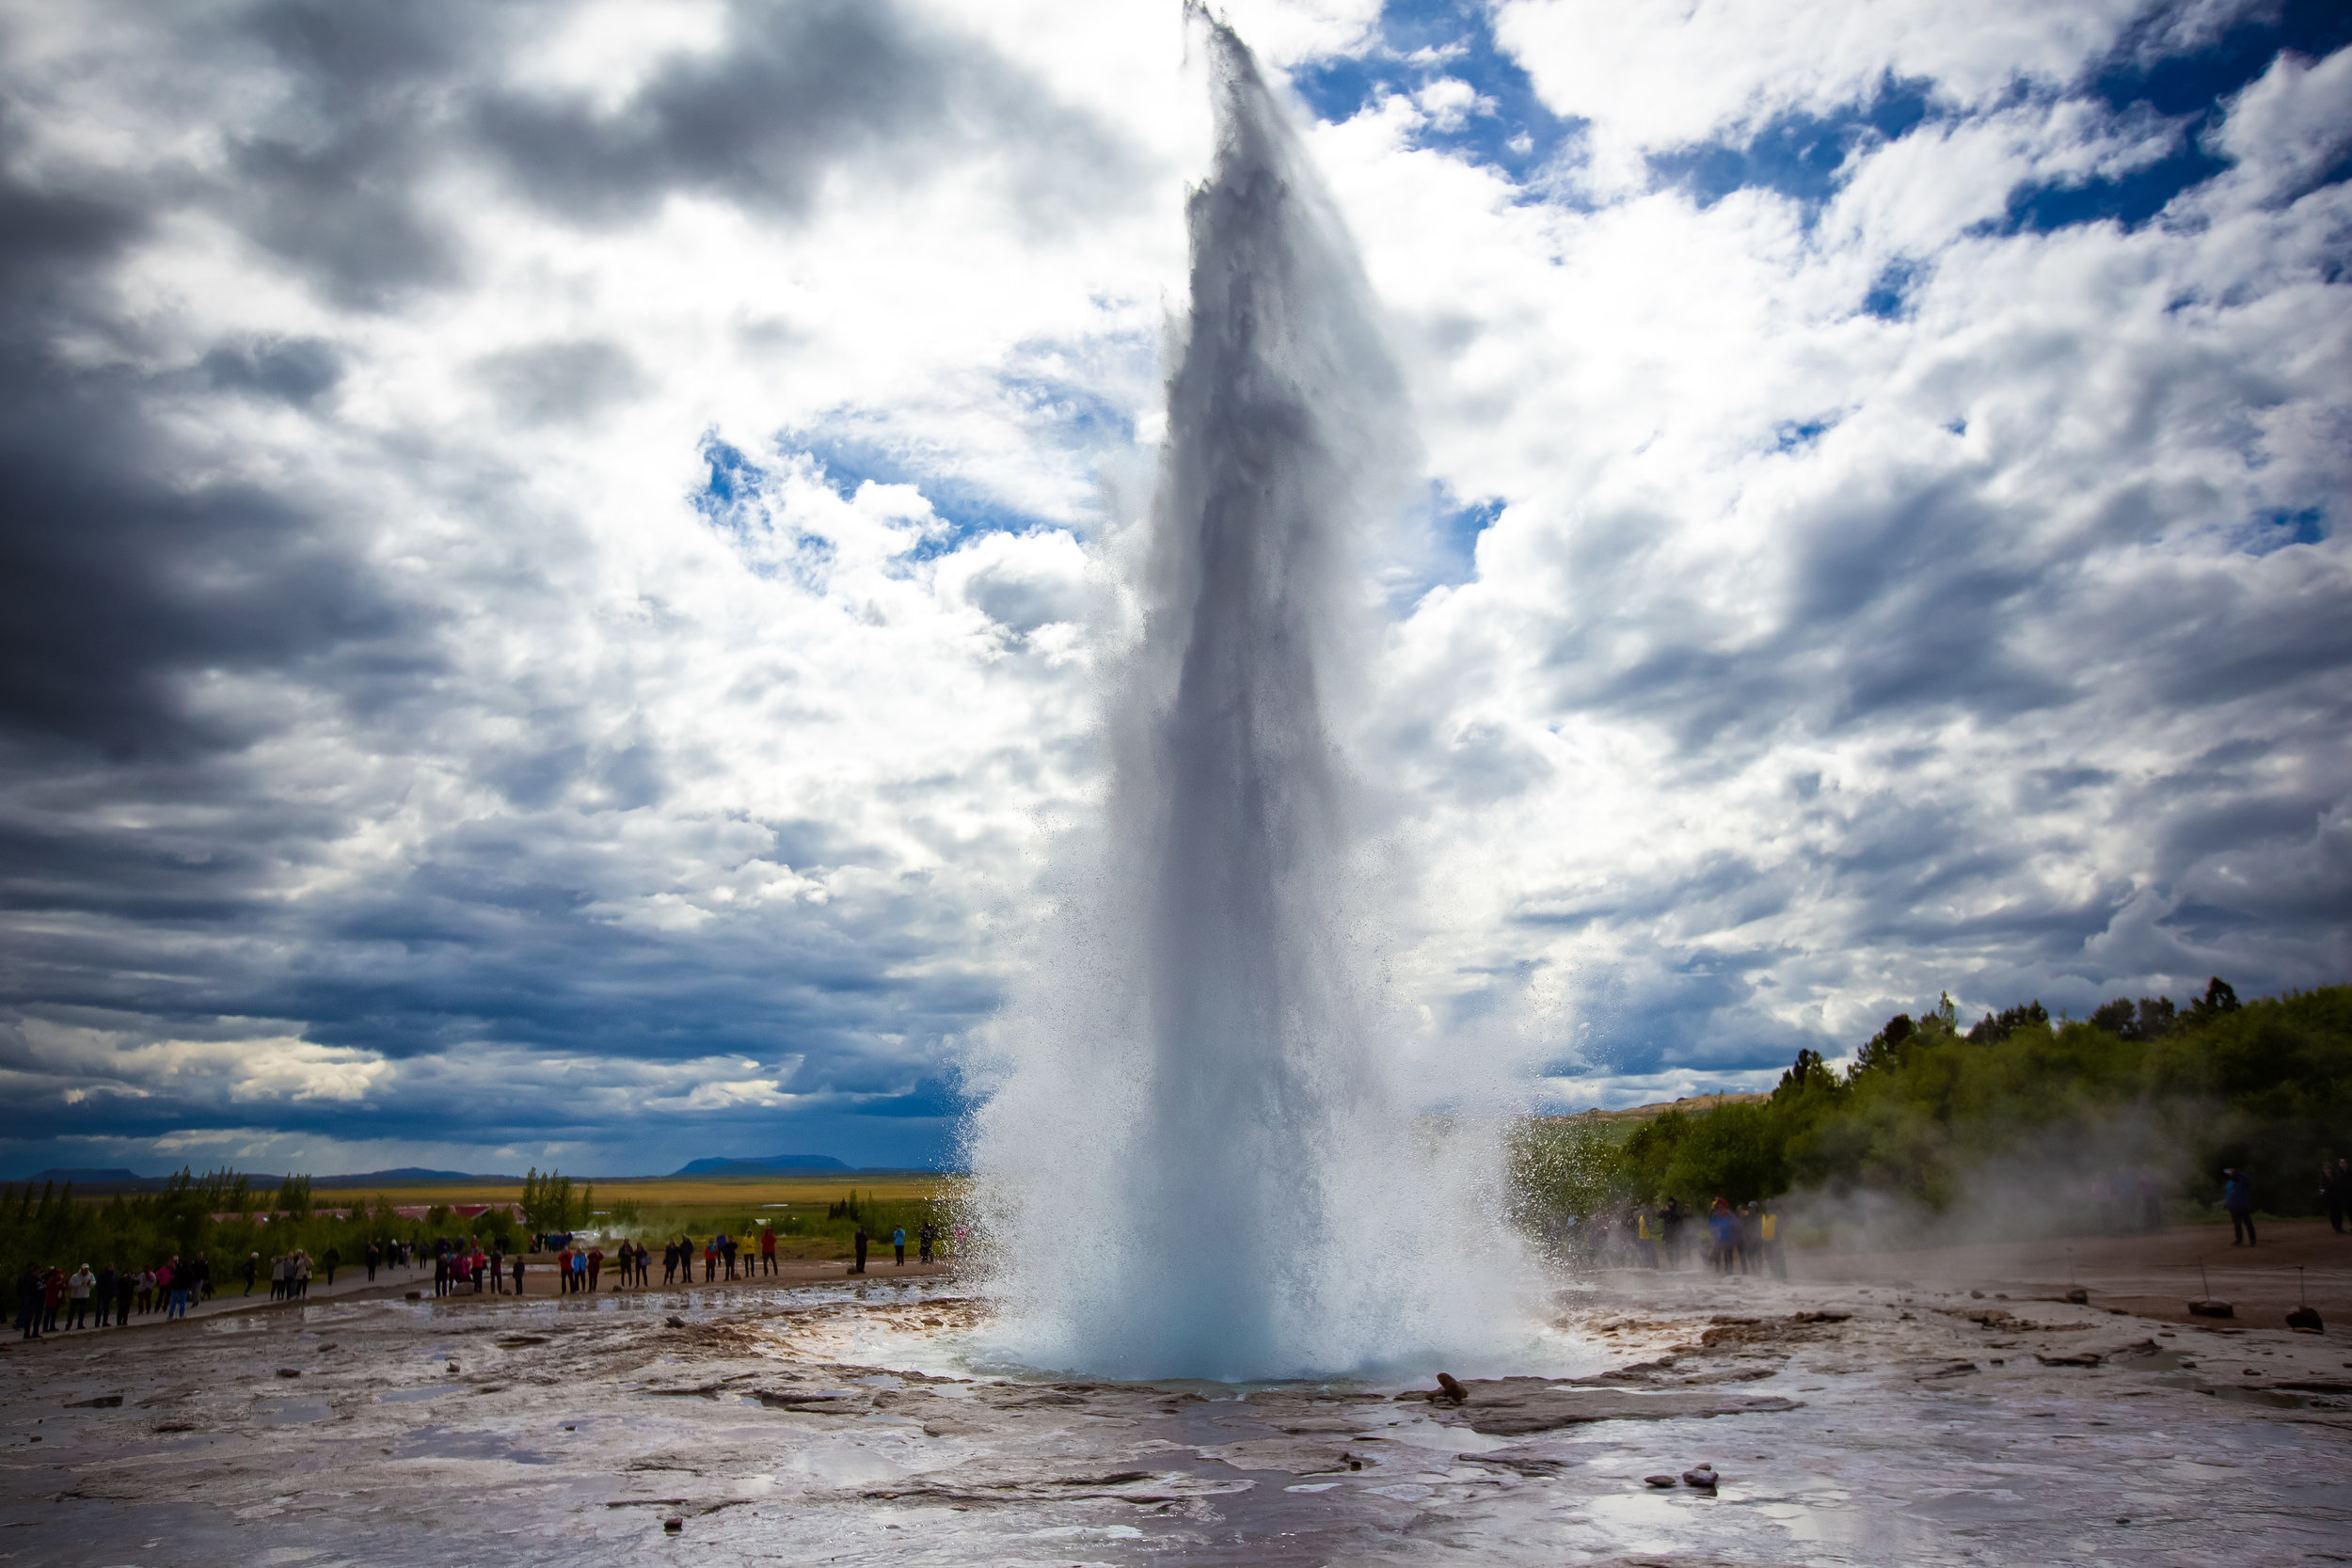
(1200, 1161)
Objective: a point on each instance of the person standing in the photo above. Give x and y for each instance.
(519, 1274)
(899, 1245)
(334, 1260)
(595, 1265)
(861, 1248)
(126, 1287)
(1767, 1229)
(77, 1288)
(51, 1298)
(2335, 1191)
(28, 1300)
(252, 1269)
(102, 1298)
(2237, 1196)
(767, 1249)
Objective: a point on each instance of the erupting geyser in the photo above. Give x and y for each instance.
(1198, 1162)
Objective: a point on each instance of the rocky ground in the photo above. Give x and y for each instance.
(1842, 1422)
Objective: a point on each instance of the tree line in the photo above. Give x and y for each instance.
(1929, 1113)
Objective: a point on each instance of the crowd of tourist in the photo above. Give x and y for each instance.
(52, 1300)
(1728, 1238)
(49, 1301)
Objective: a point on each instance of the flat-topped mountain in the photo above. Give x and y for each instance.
(727, 1166)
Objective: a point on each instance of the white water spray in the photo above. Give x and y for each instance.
(1198, 1162)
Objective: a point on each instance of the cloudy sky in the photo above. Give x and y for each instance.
(552, 553)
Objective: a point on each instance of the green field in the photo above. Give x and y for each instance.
(814, 1215)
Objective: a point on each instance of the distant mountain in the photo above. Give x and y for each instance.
(768, 1166)
(405, 1176)
(117, 1174)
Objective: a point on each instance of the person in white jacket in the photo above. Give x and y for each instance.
(77, 1289)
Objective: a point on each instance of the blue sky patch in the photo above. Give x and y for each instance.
(849, 458)
(1421, 42)
(2276, 530)
(734, 480)
(1797, 156)
(1889, 299)
(1795, 436)
(2188, 88)
(1449, 557)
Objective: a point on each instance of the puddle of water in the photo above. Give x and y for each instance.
(288, 1413)
(402, 1396)
(444, 1443)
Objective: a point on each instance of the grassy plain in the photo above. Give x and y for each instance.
(800, 1207)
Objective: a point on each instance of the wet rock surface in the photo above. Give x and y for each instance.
(1833, 1425)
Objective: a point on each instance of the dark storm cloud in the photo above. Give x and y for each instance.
(380, 100)
(333, 184)
(556, 382)
(163, 876)
(792, 94)
(299, 371)
(117, 577)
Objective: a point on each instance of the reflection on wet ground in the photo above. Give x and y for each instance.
(1847, 1425)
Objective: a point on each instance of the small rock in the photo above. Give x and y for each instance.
(103, 1401)
(2078, 1296)
(2248, 1372)
(674, 1321)
(1975, 1296)
(1658, 1480)
(672, 1525)
(1702, 1478)
(289, 1372)
(2209, 1308)
(416, 1295)
(2305, 1319)
(1454, 1390)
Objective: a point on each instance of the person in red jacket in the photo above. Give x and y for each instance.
(767, 1249)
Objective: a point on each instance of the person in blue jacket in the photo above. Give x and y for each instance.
(2237, 1196)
